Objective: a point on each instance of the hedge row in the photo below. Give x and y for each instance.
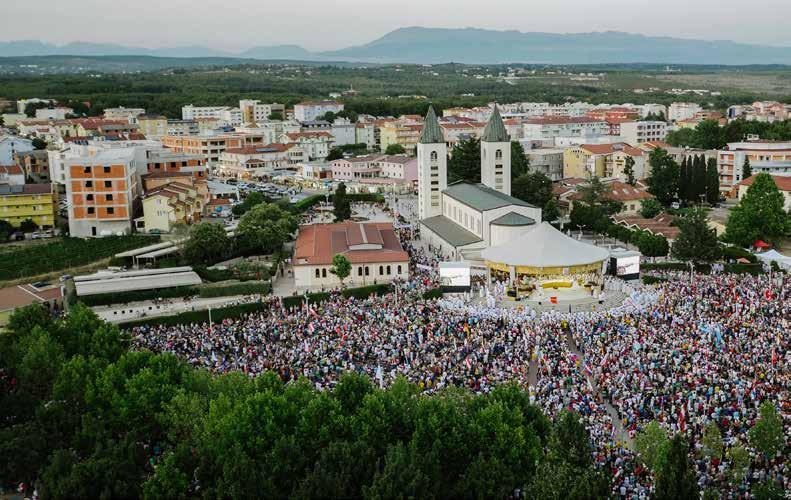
(306, 203)
(362, 292)
(247, 288)
(190, 317)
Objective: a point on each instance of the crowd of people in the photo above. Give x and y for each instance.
(682, 353)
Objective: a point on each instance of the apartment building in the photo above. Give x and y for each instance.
(35, 165)
(211, 146)
(548, 161)
(682, 111)
(315, 144)
(615, 113)
(313, 110)
(55, 113)
(365, 133)
(548, 129)
(226, 114)
(10, 145)
(152, 126)
(255, 161)
(398, 167)
(11, 175)
(638, 132)
(602, 160)
(170, 204)
(539, 109)
(122, 113)
(771, 157)
(37, 202)
(102, 191)
(254, 111)
(395, 132)
(356, 168)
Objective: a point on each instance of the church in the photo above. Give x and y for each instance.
(465, 218)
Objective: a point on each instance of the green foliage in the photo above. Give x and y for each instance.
(434, 293)
(675, 477)
(39, 143)
(342, 208)
(395, 149)
(759, 214)
(465, 161)
(628, 170)
(652, 245)
(747, 169)
(740, 464)
(650, 208)
(341, 267)
(709, 135)
(550, 212)
(712, 441)
(251, 200)
(594, 209)
(712, 182)
(520, 163)
(766, 435)
(68, 252)
(651, 444)
(664, 179)
(208, 243)
(275, 116)
(264, 229)
(736, 253)
(28, 226)
(768, 490)
(696, 241)
(533, 187)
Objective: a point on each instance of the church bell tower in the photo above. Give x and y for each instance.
(432, 161)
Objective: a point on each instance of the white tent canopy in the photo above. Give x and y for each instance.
(545, 246)
(775, 256)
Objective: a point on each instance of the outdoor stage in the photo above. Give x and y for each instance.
(573, 300)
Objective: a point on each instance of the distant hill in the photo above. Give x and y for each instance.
(478, 46)
(468, 45)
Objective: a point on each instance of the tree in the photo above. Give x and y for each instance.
(395, 149)
(550, 213)
(335, 153)
(664, 178)
(341, 267)
(251, 200)
(696, 241)
(6, 230)
(684, 178)
(652, 245)
(766, 435)
(533, 187)
(31, 107)
(569, 441)
(208, 243)
(329, 116)
(264, 229)
(28, 226)
(740, 464)
(698, 180)
(628, 170)
(465, 161)
(759, 214)
(712, 441)
(520, 163)
(675, 477)
(747, 169)
(650, 208)
(275, 116)
(39, 143)
(342, 207)
(651, 444)
(712, 182)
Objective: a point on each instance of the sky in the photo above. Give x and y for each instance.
(332, 24)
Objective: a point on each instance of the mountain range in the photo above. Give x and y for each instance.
(421, 45)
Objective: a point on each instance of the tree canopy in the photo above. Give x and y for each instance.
(759, 214)
(207, 244)
(664, 178)
(264, 229)
(533, 187)
(465, 161)
(696, 241)
(342, 207)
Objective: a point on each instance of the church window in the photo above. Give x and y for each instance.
(498, 155)
(433, 156)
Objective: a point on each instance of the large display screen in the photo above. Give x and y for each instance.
(454, 276)
(627, 266)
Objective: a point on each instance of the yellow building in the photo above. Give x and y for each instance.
(152, 126)
(398, 133)
(582, 162)
(170, 204)
(37, 202)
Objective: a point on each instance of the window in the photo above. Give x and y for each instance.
(324, 272)
(498, 155)
(109, 197)
(360, 271)
(388, 270)
(86, 170)
(381, 270)
(89, 197)
(108, 184)
(399, 269)
(318, 274)
(106, 170)
(91, 210)
(110, 210)
(367, 271)
(89, 184)
(433, 156)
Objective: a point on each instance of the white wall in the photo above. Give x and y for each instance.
(305, 276)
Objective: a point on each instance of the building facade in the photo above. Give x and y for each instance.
(37, 202)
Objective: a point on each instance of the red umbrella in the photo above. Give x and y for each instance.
(761, 244)
(742, 260)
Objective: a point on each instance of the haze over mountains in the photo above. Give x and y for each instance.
(469, 45)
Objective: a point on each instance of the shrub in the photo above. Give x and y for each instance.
(736, 253)
(434, 293)
(217, 315)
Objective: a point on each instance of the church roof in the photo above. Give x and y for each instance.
(481, 197)
(513, 219)
(432, 132)
(495, 129)
(449, 231)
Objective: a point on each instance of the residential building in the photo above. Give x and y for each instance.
(761, 111)
(771, 157)
(638, 132)
(630, 196)
(254, 161)
(21, 104)
(37, 202)
(663, 224)
(102, 191)
(682, 111)
(399, 167)
(183, 127)
(364, 133)
(226, 114)
(356, 168)
(613, 113)
(316, 171)
(313, 110)
(219, 207)
(35, 165)
(11, 119)
(343, 132)
(395, 132)
(211, 146)
(548, 161)
(550, 128)
(10, 145)
(170, 204)
(783, 183)
(152, 126)
(602, 160)
(122, 113)
(653, 109)
(373, 249)
(56, 113)
(316, 144)
(254, 111)
(11, 175)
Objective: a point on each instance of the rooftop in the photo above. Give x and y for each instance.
(449, 231)
(481, 197)
(513, 219)
(361, 243)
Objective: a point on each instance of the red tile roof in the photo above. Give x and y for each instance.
(620, 191)
(11, 169)
(782, 182)
(317, 244)
(551, 120)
